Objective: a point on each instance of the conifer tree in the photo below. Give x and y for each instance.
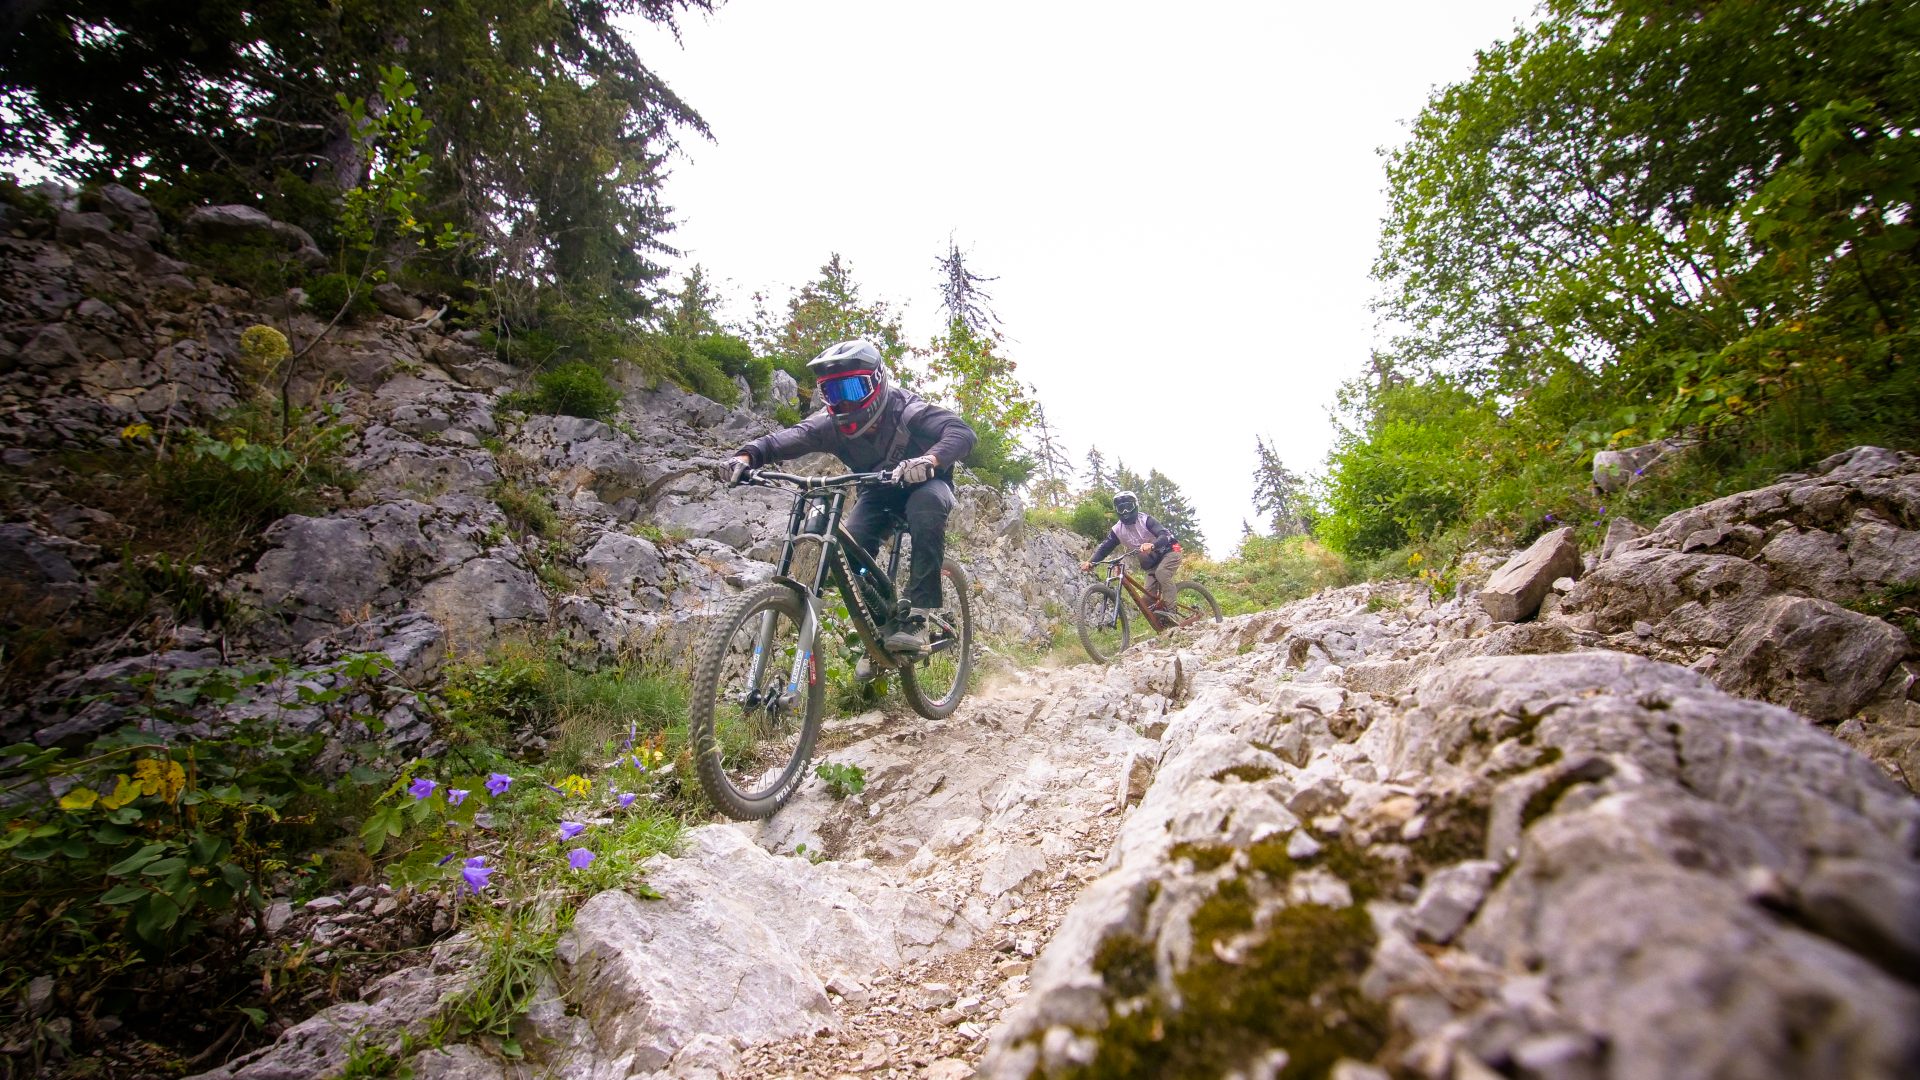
(1277, 492)
(1097, 478)
(1054, 487)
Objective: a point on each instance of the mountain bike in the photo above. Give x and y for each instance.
(1102, 611)
(757, 688)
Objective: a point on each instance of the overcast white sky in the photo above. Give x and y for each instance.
(1181, 202)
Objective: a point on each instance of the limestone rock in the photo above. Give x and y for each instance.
(711, 959)
(1617, 469)
(1515, 592)
(1812, 656)
(245, 224)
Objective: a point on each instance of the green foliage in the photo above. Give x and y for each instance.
(546, 130)
(841, 778)
(1092, 516)
(522, 688)
(573, 389)
(1269, 571)
(251, 469)
(997, 459)
(786, 415)
(149, 838)
(1411, 469)
(339, 294)
(1633, 223)
(823, 312)
(527, 509)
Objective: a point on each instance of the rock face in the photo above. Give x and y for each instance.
(647, 974)
(494, 524)
(1590, 846)
(1750, 589)
(1516, 589)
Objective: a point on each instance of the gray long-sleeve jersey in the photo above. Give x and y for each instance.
(929, 429)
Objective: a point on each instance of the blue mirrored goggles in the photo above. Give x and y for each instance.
(849, 389)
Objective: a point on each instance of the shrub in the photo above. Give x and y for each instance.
(251, 469)
(1091, 517)
(786, 415)
(350, 298)
(162, 834)
(997, 460)
(733, 356)
(526, 509)
(1269, 571)
(575, 389)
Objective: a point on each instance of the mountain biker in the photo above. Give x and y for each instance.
(1159, 552)
(871, 425)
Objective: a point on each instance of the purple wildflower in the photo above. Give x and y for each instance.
(476, 873)
(1549, 517)
(551, 788)
(579, 858)
(498, 783)
(456, 796)
(421, 788)
(449, 857)
(571, 829)
(637, 765)
(626, 799)
(1603, 511)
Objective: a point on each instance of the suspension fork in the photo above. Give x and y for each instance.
(802, 669)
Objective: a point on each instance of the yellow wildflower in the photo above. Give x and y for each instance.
(160, 776)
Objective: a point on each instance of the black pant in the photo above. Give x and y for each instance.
(925, 508)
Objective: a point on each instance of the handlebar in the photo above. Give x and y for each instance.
(767, 478)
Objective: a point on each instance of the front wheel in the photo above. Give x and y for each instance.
(1193, 605)
(756, 702)
(935, 683)
(1102, 620)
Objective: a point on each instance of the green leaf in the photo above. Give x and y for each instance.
(123, 894)
(136, 860)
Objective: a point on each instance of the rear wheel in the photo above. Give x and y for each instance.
(1194, 605)
(1103, 622)
(752, 722)
(935, 683)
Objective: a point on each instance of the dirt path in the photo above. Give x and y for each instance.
(1000, 814)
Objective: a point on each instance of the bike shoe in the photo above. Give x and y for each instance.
(911, 635)
(863, 671)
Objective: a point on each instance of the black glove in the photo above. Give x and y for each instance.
(916, 470)
(732, 469)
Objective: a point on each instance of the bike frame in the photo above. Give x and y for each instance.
(1117, 574)
(819, 507)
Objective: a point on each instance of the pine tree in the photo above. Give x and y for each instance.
(969, 370)
(1162, 498)
(1054, 488)
(695, 307)
(1097, 478)
(1277, 492)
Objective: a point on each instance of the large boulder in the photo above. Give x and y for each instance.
(245, 224)
(1746, 586)
(1516, 589)
(711, 958)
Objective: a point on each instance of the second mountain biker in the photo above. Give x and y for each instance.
(1159, 551)
(872, 425)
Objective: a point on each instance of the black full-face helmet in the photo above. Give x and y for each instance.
(854, 382)
(1126, 504)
